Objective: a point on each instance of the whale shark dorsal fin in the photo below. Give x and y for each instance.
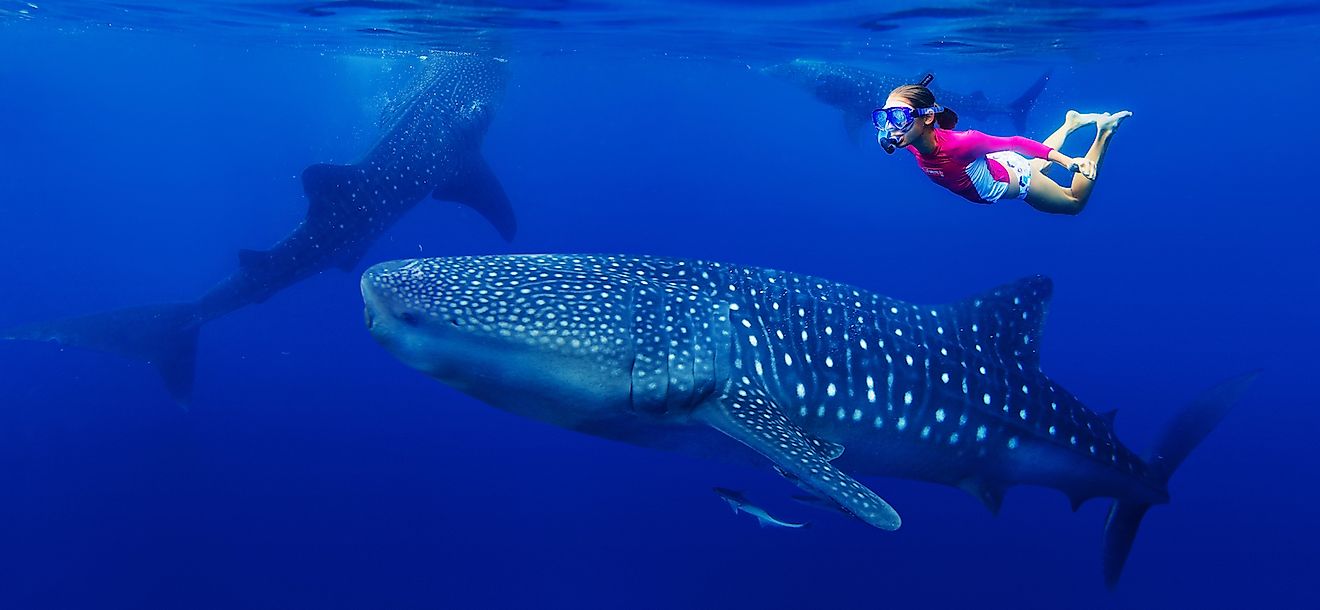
(755, 420)
(1008, 319)
(1110, 416)
(478, 188)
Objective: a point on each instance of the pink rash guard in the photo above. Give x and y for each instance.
(959, 155)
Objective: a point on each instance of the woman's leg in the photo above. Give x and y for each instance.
(1104, 130)
(1047, 196)
(1071, 122)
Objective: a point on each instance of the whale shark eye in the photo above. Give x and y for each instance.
(409, 318)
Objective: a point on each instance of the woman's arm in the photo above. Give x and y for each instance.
(981, 144)
(1083, 165)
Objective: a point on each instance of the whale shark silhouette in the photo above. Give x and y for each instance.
(430, 148)
(857, 91)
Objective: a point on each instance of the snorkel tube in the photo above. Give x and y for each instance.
(887, 139)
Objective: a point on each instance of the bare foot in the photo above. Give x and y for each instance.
(1076, 119)
(1110, 122)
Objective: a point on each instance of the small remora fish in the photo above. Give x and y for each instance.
(822, 379)
(738, 502)
(857, 91)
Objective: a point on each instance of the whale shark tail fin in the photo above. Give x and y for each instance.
(478, 188)
(1188, 428)
(162, 335)
(1021, 107)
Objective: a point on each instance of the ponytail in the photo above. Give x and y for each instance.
(946, 119)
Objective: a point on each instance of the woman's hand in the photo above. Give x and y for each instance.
(1083, 166)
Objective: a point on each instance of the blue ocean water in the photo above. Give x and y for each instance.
(144, 144)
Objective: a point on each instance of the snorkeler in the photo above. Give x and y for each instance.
(984, 168)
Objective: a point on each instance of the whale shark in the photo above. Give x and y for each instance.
(822, 380)
(739, 503)
(857, 91)
(430, 148)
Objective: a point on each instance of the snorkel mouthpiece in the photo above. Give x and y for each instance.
(887, 141)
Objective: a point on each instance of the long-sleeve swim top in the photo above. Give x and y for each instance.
(958, 152)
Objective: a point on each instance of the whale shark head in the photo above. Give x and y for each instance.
(458, 90)
(798, 71)
(546, 337)
(815, 76)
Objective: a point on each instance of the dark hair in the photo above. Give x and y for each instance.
(921, 97)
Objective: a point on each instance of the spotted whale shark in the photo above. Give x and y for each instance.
(430, 148)
(857, 91)
(823, 380)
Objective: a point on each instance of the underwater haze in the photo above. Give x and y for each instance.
(144, 144)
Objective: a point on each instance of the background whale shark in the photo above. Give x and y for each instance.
(431, 147)
(857, 91)
(823, 380)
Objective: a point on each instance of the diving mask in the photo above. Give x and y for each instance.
(894, 121)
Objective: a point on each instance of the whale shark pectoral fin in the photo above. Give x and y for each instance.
(854, 124)
(754, 420)
(478, 188)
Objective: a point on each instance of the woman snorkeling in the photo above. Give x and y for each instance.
(984, 168)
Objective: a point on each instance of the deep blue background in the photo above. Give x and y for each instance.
(316, 471)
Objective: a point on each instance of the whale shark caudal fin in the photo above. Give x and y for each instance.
(478, 188)
(163, 335)
(1008, 318)
(753, 419)
(1183, 434)
(1021, 107)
